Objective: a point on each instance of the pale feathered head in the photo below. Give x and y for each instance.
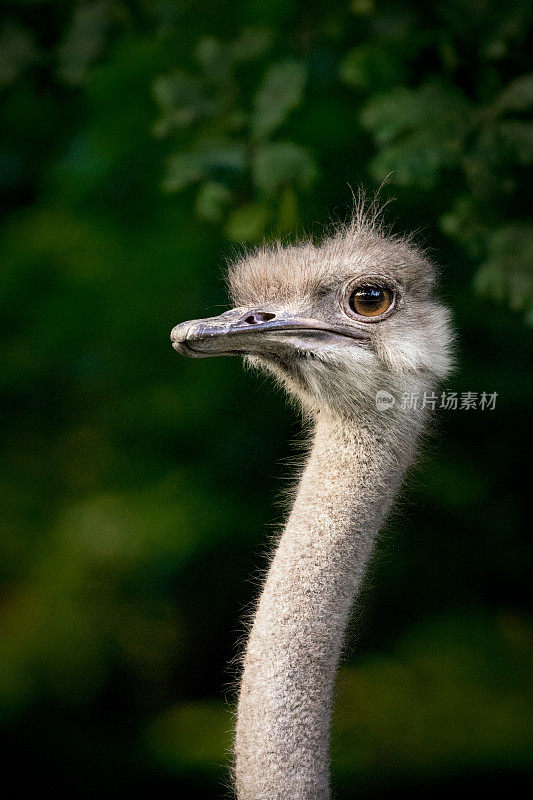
(334, 321)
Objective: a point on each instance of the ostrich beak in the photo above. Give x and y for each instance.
(246, 331)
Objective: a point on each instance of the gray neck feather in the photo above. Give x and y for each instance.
(346, 490)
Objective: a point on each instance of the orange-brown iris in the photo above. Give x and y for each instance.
(371, 301)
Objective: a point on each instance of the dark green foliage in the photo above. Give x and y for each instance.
(138, 142)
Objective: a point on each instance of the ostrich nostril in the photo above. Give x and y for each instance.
(257, 317)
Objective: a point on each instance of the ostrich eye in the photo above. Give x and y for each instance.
(371, 301)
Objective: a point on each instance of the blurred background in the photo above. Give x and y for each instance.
(140, 143)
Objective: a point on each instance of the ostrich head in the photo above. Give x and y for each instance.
(334, 322)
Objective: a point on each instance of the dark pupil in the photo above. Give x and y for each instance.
(370, 297)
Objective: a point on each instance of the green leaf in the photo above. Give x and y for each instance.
(182, 170)
(416, 160)
(176, 89)
(213, 57)
(464, 223)
(420, 132)
(507, 273)
(17, 52)
(248, 223)
(250, 45)
(519, 137)
(85, 40)
(182, 100)
(279, 163)
(370, 68)
(211, 201)
(280, 92)
(431, 106)
(209, 160)
(517, 95)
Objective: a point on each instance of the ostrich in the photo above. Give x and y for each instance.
(335, 323)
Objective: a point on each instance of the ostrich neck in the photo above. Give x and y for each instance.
(349, 483)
